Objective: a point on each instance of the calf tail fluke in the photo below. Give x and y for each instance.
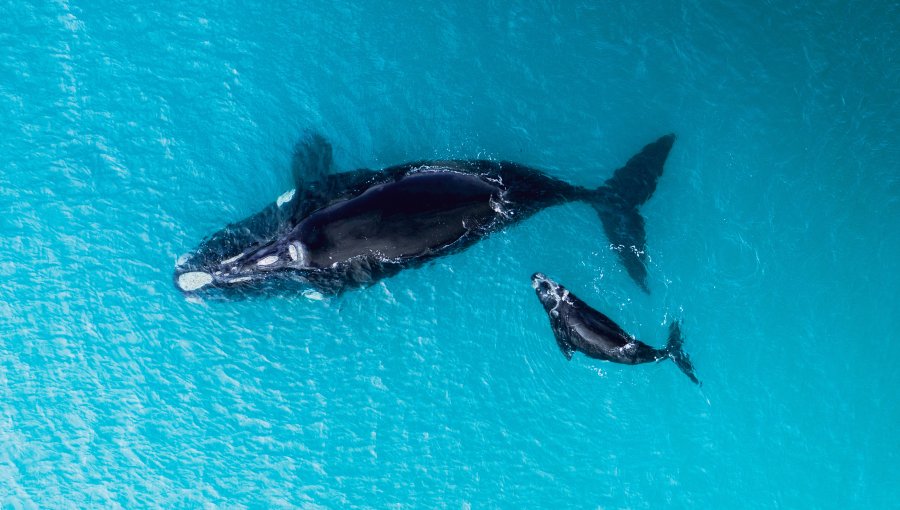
(674, 350)
(618, 200)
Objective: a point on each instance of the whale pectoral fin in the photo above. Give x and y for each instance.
(311, 167)
(565, 347)
(315, 186)
(312, 159)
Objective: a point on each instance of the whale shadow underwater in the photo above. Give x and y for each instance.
(338, 231)
(578, 327)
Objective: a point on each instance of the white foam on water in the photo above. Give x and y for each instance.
(314, 295)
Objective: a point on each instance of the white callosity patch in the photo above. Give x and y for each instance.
(232, 259)
(240, 279)
(267, 261)
(553, 292)
(194, 280)
(285, 197)
(297, 252)
(182, 260)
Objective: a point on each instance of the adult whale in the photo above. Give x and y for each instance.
(578, 327)
(337, 231)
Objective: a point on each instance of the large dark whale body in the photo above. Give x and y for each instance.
(578, 327)
(337, 231)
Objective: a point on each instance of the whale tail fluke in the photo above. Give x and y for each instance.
(674, 350)
(618, 200)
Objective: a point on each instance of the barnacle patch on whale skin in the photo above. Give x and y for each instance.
(194, 280)
(298, 253)
(285, 197)
(268, 261)
(232, 259)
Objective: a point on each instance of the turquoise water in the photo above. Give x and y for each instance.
(130, 133)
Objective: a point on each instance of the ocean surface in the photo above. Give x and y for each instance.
(129, 132)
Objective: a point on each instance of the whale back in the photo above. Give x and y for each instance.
(419, 214)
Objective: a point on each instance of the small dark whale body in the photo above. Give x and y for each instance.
(578, 327)
(337, 231)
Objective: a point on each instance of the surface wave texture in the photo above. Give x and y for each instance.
(130, 133)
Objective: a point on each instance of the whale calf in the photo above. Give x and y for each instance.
(578, 327)
(338, 231)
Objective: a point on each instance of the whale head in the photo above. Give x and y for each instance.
(548, 292)
(253, 270)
